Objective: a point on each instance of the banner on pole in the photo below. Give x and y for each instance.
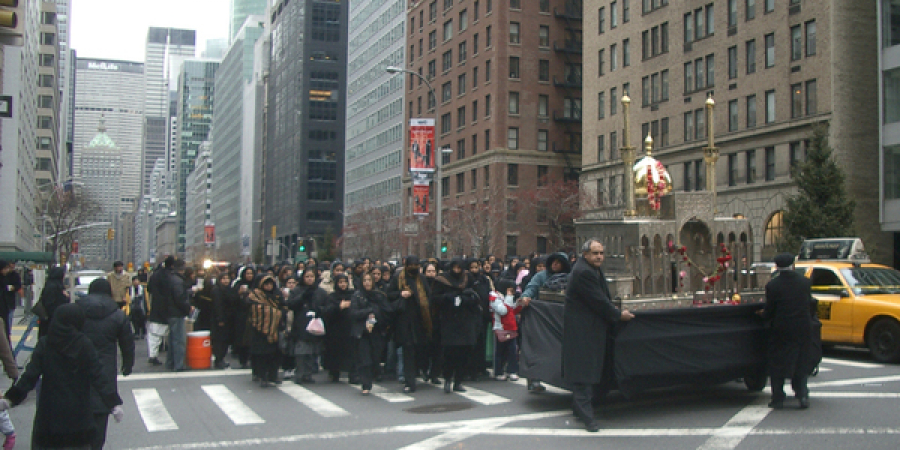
(420, 199)
(421, 143)
(210, 233)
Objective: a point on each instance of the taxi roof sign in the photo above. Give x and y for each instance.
(834, 249)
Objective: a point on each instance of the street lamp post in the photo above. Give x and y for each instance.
(437, 163)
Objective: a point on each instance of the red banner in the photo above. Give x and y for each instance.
(421, 143)
(420, 199)
(210, 232)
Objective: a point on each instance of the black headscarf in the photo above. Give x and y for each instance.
(65, 334)
(100, 286)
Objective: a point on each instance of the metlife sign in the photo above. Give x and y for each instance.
(105, 65)
(102, 65)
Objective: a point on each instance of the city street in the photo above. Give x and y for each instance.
(853, 406)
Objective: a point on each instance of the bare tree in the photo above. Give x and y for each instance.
(472, 226)
(371, 231)
(66, 212)
(552, 205)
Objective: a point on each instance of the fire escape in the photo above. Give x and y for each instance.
(570, 87)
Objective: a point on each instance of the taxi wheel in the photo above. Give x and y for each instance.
(884, 340)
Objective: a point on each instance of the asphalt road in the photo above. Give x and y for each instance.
(853, 406)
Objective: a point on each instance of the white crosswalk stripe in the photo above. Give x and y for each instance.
(551, 389)
(231, 405)
(313, 401)
(385, 394)
(483, 397)
(153, 412)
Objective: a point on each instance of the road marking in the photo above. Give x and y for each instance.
(483, 397)
(186, 374)
(738, 427)
(842, 362)
(313, 401)
(231, 405)
(385, 394)
(855, 381)
(153, 411)
(456, 435)
(855, 395)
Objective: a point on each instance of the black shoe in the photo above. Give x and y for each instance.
(592, 426)
(448, 387)
(155, 361)
(458, 388)
(776, 404)
(409, 389)
(222, 365)
(334, 377)
(804, 402)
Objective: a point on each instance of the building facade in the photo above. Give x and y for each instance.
(303, 161)
(101, 162)
(47, 166)
(507, 82)
(235, 134)
(240, 10)
(196, 100)
(375, 124)
(775, 69)
(198, 207)
(889, 115)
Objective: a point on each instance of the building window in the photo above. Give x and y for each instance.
(544, 6)
(432, 69)
(751, 111)
(770, 50)
(48, 38)
(446, 92)
(796, 43)
(45, 101)
(512, 174)
(811, 97)
(733, 115)
(514, 103)
(626, 11)
(543, 105)
(601, 148)
(774, 229)
(572, 108)
(543, 140)
(432, 11)
(811, 36)
(626, 53)
(512, 245)
(432, 40)
(613, 101)
(770, 106)
(475, 44)
(487, 176)
(795, 154)
(601, 104)
(463, 54)
(732, 170)
(732, 63)
(542, 172)
(751, 166)
(488, 37)
(613, 58)
(446, 123)
(544, 36)
(515, 4)
(474, 144)
(687, 170)
(796, 100)
(514, 67)
(487, 105)
(461, 117)
(770, 5)
(770, 163)
(544, 70)
(474, 179)
(601, 20)
(600, 58)
(487, 71)
(447, 60)
(474, 112)
(732, 13)
(463, 20)
(514, 36)
(750, 10)
(688, 126)
(512, 138)
(45, 122)
(751, 56)
(461, 84)
(448, 30)
(46, 60)
(664, 132)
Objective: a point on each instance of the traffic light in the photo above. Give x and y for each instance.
(302, 247)
(12, 21)
(444, 247)
(110, 234)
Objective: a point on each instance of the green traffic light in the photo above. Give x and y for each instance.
(302, 248)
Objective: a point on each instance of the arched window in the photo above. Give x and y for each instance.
(774, 229)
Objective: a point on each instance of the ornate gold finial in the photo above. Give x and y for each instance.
(626, 99)
(709, 100)
(648, 145)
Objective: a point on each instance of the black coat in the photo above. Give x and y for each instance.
(10, 285)
(107, 327)
(587, 324)
(362, 304)
(459, 324)
(482, 285)
(791, 308)
(52, 296)
(338, 345)
(409, 327)
(303, 300)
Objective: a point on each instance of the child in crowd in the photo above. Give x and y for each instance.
(505, 308)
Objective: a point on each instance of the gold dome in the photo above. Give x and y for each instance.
(658, 175)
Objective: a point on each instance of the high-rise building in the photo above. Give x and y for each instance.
(66, 65)
(234, 176)
(303, 160)
(196, 100)
(240, 10)
(198, 201)
(775, 70)
(166, 48)
(375, 124)
(506, 100)
(112, 91)
(889, 117)
(100, 162)
(156, 204)
(48, 163)
(18, 134)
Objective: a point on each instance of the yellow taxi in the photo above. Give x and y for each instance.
(859, 302)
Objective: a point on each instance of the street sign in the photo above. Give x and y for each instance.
(411, 228)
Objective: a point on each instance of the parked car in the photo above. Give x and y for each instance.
(83, 279)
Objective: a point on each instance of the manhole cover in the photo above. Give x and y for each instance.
(439, 408)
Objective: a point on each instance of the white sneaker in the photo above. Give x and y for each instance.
(501, 377)
(288, 373)
(513, 377)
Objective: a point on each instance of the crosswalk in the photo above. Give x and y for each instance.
(156, 417)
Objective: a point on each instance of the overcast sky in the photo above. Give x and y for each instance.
(117, 29)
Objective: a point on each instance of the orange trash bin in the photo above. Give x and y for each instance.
(199, 350)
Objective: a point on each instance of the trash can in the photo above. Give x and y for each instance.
(199, 350)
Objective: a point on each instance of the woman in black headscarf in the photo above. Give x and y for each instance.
(225, 308)
(243, 284)
(307, 301)
(369, 314)
(53, 296)
(458, 311)
(68, 365)
(338, 351)
(266, 311)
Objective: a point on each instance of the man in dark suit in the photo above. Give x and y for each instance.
(789, 303)
(588, 320)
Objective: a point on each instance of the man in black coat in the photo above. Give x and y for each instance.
(178, 307)
(107, 327)
(587, 323)
(789, 305)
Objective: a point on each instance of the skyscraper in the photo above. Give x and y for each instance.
(99, 162)
(240, 10)
(304, 162)
(196, 99)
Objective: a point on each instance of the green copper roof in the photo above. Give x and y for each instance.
(102, 139)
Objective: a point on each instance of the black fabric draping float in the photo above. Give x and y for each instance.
(659, 348)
